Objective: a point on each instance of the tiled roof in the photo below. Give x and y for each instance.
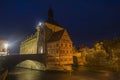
(56, 36)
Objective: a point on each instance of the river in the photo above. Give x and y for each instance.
(81, 73)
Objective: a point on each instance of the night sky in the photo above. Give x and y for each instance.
(85, 20)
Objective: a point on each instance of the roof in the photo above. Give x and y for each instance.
(53, 22)
(56, 36)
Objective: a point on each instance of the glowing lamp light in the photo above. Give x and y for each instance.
(40, 23)
(6, 45)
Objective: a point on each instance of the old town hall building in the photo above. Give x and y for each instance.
(54, 41)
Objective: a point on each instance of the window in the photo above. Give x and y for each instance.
(65, 45)
(63, 51)
(65, 59)
(57, 45)
(48, 52)
(67, 51)
(56, 51)
(61, 45)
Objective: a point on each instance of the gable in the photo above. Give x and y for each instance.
(65, 37)
(56, 36)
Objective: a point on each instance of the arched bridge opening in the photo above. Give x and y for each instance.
(12, 60)
(31, 64)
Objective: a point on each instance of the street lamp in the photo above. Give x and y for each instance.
(40, 23)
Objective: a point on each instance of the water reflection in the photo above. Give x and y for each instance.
(27, 74)
(81, 74)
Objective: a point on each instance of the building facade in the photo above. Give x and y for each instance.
(3, 47)
(52, 40)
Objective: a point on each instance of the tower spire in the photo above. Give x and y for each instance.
(50, 14)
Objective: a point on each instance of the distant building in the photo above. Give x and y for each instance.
(79, 55)
(3, 47)
(54, 41)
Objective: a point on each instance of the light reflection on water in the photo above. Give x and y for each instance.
(81, 74)
(27, 74)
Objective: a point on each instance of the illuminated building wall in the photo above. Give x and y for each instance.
(60, 46)
(29, 46)
(3, 47)
(51, 39)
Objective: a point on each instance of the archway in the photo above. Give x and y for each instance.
(31, 64)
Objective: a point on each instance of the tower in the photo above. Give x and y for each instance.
(40, 38)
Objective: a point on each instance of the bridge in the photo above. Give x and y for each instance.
(12, 61)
